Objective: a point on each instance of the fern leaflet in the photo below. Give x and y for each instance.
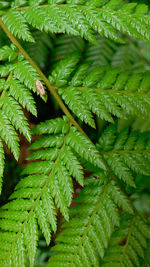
(128, 243)
(126, 153)
(86, 236)
(15, 87)
(104, 91)
(80, 18)
(32, 203)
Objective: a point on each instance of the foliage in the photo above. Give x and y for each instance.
(80, 18)
(32, 199)
(103, 91)
(126, 153)
(17, 80)
(91, 59)
(132, 55)
(79, 242)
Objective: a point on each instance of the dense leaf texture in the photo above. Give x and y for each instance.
(104, 228)
(106, 92)
(126, 152)
(86, 236)
(128, 243)
(126, 56)
(18, 27)
(17, 79)
(81, 18)
(45, 181)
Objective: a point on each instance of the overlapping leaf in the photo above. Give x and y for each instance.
(126, 152)
(47, 180)
(17, 78)
(103, 91)
(128, 243)
(86, 236)
(80, 18)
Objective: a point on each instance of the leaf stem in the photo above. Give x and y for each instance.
(50, 87)
(127, 241)
(34, 205)
(62, 5)
(52, 90)
(91, 217)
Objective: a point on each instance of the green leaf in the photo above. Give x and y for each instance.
(84, 148)
(103, 91)
(8, 134)
(46, 187)
(22, 95)
(16, 115)
(1, 163)
(6, 53)
(27, 74)
(16, 24)
(73, 98)
(86, 236)
(131, 251)
(125, 153)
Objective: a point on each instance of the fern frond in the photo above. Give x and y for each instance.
(8, 134)
(15, 114)
(22, 95)
(104, 91)
(103, 53)
(128, 243)
(146, 260)
(39, 50)
(7, 53)
(126, 153)
(19, 27)
(125, 56)
(24, 72)
(94, 231)
(45, 181)
(15, 92)
(81, 19)
(2, 163)
(65, 44)
(86, 236)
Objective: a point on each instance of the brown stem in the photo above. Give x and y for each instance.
(52, 90)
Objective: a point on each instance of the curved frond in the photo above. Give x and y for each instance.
(81, 18)
(128, 243)
(16, 81)
(17, 25)
(24, 72)
(99, 84)
(8, 134)
(47, 180)
(125, 56)
(126, 153)
(105, 92)
(86, 236)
